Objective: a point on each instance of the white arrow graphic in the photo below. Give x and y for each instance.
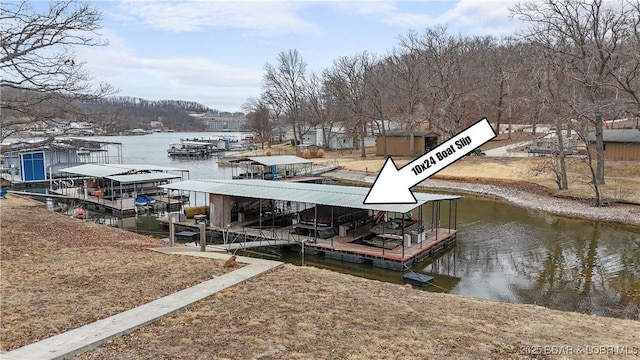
(392, 186)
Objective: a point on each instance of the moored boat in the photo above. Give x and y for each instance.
(417, 279)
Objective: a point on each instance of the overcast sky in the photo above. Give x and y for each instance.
(214, 52)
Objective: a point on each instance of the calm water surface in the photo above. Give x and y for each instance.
(503, 252)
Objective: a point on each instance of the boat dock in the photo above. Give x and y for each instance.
(116, 187)
(328, 220)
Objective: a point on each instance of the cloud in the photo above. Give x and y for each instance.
(195, 71)
(264, 17)
(491, 17)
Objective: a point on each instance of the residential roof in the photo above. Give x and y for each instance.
(334, 195)
(618, 135)
(144, 177)
(104, 170)
(408, 133)
(274, 160)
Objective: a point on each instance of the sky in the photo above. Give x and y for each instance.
(214, 52)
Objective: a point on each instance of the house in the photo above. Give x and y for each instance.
(619, 144)
(35, 161)
(398, 142)
(337, 139)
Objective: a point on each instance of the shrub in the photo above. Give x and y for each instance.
(306, 154)
(320, 153)
(268, 152)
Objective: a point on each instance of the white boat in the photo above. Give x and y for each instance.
(191, 149)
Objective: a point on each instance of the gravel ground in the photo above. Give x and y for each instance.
(518, 194)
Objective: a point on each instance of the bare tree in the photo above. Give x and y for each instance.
(42, 78)
(259, 119)
(407, 87)
(588, 35)
(319, 107)
(379, 100)
(346, 81)
(452, 98)
(285, 86)
(626, 65)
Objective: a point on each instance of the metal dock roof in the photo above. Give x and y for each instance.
(334, 195)
(145, 177)
(274, 160)
(104, 170)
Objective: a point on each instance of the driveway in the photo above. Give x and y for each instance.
(507, 151)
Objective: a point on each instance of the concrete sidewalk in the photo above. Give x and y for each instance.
(87, 337)
(507, 151)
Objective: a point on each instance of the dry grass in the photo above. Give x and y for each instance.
(58, 273)
(78, 272)
(308, 313)
(622, 182)
(622, 177)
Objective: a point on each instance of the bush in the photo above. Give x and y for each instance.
(294, 142)
(320, 153)
(306, 154)
(268, 152)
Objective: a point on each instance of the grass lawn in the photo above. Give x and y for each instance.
(59, 273)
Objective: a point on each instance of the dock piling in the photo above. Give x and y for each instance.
(203, 236)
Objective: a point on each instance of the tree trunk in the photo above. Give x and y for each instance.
(599, 151)
(563, 168)
(509, 120)
(594, 178)
(363, 150)
(295, 136)
(412, 139)
(499, 114)
(384, 141)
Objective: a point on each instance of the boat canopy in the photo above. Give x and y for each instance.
(273, 160)
(324, 194)
(104, 170)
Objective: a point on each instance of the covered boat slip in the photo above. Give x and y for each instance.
(326, 219)
(276, 167)
(115, 187)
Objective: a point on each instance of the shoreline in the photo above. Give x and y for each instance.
(619, 213)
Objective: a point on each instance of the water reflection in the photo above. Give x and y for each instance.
(515, 255)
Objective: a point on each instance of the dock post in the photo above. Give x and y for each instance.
(449, 220)
(172, 231)
(203, 237)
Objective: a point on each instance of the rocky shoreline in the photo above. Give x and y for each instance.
(618, 213)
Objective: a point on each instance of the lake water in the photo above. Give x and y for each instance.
(503, 252)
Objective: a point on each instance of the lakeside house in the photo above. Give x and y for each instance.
(619, 144)
(41, 160)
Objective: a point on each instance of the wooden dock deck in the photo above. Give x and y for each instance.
(118, 206)
(345, 248)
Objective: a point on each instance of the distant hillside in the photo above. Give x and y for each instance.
(123, 112)
(113, 114)
(138, 102)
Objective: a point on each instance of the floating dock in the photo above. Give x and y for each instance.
(114, 188)
(329, 220)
